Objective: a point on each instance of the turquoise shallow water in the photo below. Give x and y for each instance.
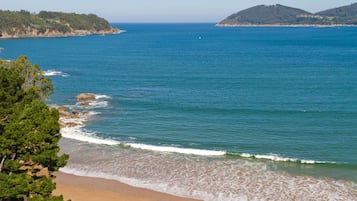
(280, 99)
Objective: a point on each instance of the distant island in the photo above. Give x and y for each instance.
(279, 15)
(23, 24)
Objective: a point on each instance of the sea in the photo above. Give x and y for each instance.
(206, 112)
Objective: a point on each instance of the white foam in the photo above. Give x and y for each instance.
(99, 102)
(81, 119)
(276, 157)
(55, 73)
(177, 150)
(77, 133)
(102, 96)
(93, 104)
(76, 121)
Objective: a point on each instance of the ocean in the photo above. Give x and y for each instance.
(215, 113)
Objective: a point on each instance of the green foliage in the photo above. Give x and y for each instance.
(52, 198)
(77, 21)
(12, 165)
(23, 22)
(34, 80)
(29, 133)
(14, 186)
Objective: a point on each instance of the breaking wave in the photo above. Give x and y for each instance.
(277, 158)
(55, 73)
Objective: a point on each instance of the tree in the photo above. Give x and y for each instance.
(33, 77)
(29, 134)
(10, 94)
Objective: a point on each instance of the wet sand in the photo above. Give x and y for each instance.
(79, 188)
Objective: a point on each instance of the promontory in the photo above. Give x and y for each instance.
(280, 15)
(23, 24)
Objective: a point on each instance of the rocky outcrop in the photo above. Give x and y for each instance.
(86, 97)
(68, 117)
(72, 117)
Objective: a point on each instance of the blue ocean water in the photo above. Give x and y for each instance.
(280, 97)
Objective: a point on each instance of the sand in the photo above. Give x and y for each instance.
(79, 188)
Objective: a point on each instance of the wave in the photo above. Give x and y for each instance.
(102, 96)
(55, 73)
(80, 134)
(200, 152)
(77, 133)
(278, 158)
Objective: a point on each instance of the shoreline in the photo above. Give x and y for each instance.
(82, 188)
(77, 33)
(284, 25)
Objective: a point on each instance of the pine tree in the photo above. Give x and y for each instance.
(29, 134)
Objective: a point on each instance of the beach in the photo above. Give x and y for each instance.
(204, 112)
(78, 188)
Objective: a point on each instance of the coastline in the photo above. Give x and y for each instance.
(79, 188)
(285, 25)
(59, 34)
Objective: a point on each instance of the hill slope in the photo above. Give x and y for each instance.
(342, 15)
(17, 24)
(276, 14)
(283, 15)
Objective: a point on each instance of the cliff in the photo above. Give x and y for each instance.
(22, 24)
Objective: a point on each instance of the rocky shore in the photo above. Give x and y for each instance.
(33, 33)
(72, 117)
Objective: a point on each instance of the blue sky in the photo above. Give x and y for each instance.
(162, 10)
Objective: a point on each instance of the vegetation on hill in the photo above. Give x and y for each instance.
(283, 15)
(25, 24)
(342, 15)
(266, 15)
(77, 21)
(29, 134)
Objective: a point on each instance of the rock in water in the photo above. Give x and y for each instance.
(85, 97)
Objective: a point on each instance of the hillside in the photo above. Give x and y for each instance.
(276, 14)
(20, 24)
(283, 15)
(342, 15)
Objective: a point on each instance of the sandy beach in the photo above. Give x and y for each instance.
(79, 188)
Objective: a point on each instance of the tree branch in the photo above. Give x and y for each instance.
(2, 163)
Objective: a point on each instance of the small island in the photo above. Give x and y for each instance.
(23, 24)
(280, 15)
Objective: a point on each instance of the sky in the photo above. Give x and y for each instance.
(162, 10)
